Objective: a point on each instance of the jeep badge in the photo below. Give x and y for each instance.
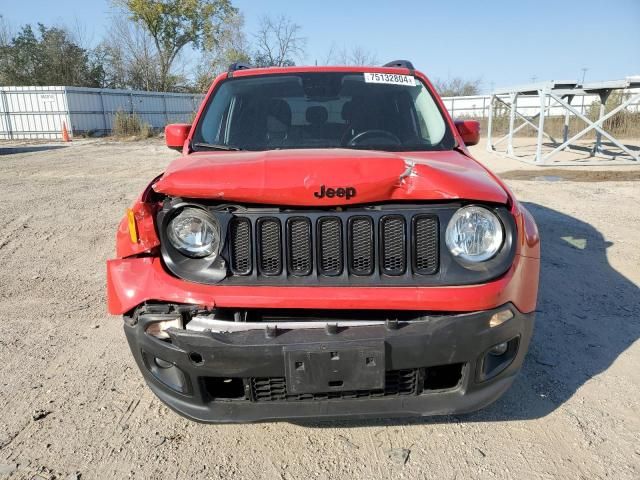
(346, 192)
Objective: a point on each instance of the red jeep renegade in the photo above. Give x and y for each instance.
(326, 246)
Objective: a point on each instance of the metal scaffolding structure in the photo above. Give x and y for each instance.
(561, 94)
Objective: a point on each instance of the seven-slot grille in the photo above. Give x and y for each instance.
(332, 245)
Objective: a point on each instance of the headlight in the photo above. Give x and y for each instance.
(194, 233)
(474, 234)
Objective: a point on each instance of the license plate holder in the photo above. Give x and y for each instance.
(335, 367)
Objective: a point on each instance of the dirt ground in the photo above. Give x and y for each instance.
(74, 405)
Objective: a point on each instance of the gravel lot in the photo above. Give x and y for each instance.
(73, 404)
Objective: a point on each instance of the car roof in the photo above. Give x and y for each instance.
(244, 72)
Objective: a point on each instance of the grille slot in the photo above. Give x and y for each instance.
(268, 389)
(274, 389)
(299, 245)
(402, 382)
(269, 246)
(394, 249)
(425, 244)
(361, 245)
(241, 263)
(330, 245)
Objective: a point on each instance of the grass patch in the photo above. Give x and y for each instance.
(130, 125)
(573, 175)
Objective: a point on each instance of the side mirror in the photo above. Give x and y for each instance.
(469, 130)
(175, 134)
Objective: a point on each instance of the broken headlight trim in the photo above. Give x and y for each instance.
(474, 234)
(194, 233)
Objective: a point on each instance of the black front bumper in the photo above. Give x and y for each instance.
(242, 376)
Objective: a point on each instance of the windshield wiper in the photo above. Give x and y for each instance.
(215, 146)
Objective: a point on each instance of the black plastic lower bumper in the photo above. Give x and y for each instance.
(438, 365)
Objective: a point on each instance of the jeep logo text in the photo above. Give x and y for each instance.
(346, 192)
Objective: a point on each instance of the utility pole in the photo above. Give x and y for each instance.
(584, 72)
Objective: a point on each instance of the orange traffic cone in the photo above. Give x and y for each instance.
(65, 133)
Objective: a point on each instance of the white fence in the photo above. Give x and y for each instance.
(39, 112)
(477, 106)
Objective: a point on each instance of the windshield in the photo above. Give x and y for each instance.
(323, 110)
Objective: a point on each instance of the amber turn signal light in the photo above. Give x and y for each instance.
(133, 229)
(500, 317)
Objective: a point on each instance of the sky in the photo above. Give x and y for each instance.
(501, 42)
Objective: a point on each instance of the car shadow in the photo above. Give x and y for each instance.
(588, 314)
(29, 149)
(606, 148)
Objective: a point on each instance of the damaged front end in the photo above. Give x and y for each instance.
(227, 365)
(299, 261)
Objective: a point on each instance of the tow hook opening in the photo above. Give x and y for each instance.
(221, 388)
(443, 377)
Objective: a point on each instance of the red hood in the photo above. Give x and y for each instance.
(290, 177)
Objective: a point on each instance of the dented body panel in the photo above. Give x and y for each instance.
(291, 177)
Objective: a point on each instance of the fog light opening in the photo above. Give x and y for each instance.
(166, 373)
(499, 349)
(497, 358)
(196, 358)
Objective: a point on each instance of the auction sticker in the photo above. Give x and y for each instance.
(390, 78)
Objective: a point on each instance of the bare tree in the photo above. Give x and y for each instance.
(129, 57)
(457, 87)
(358, 56)
(80, 35)
(6, 32)
(231, 47)
(278, 42)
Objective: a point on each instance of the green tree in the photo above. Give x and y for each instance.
(174, 24)
(48, 57)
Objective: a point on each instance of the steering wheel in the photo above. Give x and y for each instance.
(373, 133)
